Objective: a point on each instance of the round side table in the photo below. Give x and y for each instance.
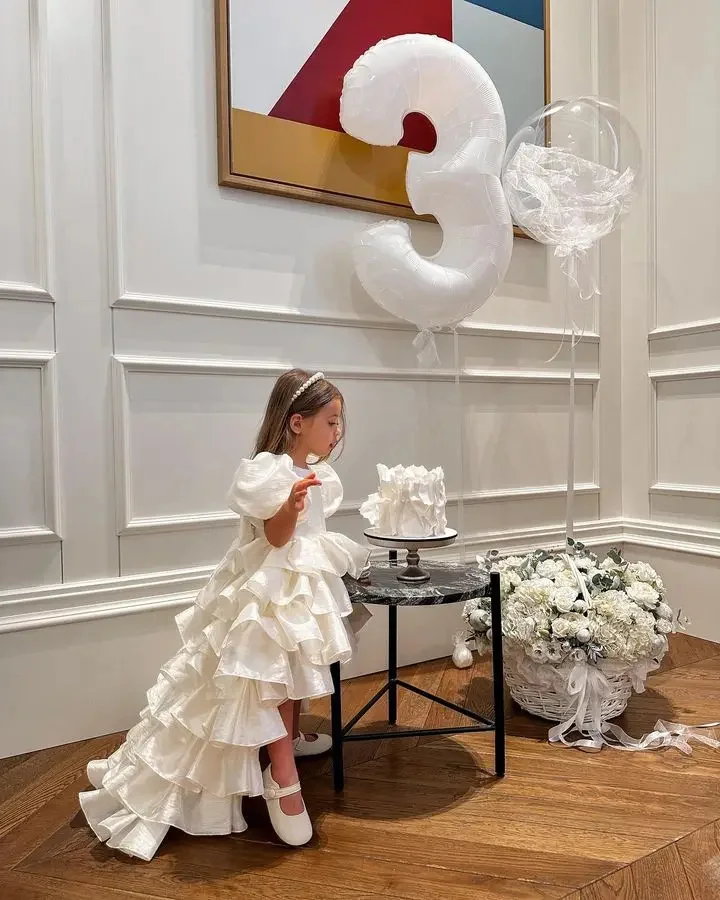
(447, 584)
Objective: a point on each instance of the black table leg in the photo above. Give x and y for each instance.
(498, 674)
(337, 728)
(392, 664)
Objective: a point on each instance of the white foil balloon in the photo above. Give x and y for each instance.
(458, 182)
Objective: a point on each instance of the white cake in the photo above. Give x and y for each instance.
(410, 502)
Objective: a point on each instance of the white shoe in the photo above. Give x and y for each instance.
(320, 745)
(293, 830)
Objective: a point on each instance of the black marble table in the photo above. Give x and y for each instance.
(448, 584)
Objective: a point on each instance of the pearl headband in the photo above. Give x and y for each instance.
(303, 387)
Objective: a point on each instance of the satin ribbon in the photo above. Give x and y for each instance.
(461, 446)
(588, 684)
(424, 344)
(570, 562)
(575, 264)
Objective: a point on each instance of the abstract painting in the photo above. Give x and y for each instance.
(280, 70)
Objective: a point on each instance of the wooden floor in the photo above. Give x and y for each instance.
(422, 821)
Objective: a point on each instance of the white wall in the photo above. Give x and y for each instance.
(671, 335)
(143, 315)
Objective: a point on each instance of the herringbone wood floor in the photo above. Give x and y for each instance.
(418, 820)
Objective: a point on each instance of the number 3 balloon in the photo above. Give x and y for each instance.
(458, 182)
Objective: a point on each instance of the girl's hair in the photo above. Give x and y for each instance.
(275, 435)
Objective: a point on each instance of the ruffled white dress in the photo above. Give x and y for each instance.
(265, 628)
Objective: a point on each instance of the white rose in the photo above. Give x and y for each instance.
(549, 568)
(645, 619)
(663, 626)
(565, 579)
(583, 635)
(640, 571)
(479, 620)
(607, 565)
(643, 594)
(664, 611)
(564, 598)
(513, 561)
(584, 563)
(537, 591)
(563, 628)
(580, 605)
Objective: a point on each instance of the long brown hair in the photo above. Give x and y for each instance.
(275, 435)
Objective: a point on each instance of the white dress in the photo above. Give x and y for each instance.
(265, 628)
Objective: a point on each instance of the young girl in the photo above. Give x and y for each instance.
(259, 639)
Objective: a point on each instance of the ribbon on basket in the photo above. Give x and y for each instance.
(589, 686)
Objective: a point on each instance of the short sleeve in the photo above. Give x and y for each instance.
(332, 489)
(262, 485)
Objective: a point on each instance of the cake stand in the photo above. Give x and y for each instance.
(412, 573)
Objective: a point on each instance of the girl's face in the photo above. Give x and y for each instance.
(319, 435)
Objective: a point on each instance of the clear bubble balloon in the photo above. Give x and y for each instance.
(572, 172)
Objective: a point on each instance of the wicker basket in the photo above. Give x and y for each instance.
(550, 704)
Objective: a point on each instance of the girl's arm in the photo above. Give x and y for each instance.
(281, 527)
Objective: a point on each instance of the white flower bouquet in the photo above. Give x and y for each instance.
(570, 619)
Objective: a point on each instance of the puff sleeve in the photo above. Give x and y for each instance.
(332, 489)
(261, 486)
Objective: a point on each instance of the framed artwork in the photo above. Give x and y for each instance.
(280, 69)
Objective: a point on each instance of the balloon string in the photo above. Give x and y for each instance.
(570, 509)
(461, 445)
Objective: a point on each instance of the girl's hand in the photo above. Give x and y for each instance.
(296, 500)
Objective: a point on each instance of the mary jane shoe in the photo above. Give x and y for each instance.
(292, 830)
(303, 747)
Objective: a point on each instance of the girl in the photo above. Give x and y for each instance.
(260, 638)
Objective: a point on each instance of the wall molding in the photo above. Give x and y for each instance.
(225, 519)
(286, 314)
(113, 223)
(44, 607)
(18, 290)
(652, 167)
(665, 376)
(128, 524)
(667, 536)
(41, 179)
(67, 604)
(699, 326)
(272, 369)
(99, 599)
(50, 529)
(686, 373)
(670, 489)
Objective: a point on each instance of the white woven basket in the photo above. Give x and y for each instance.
(556, 706)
